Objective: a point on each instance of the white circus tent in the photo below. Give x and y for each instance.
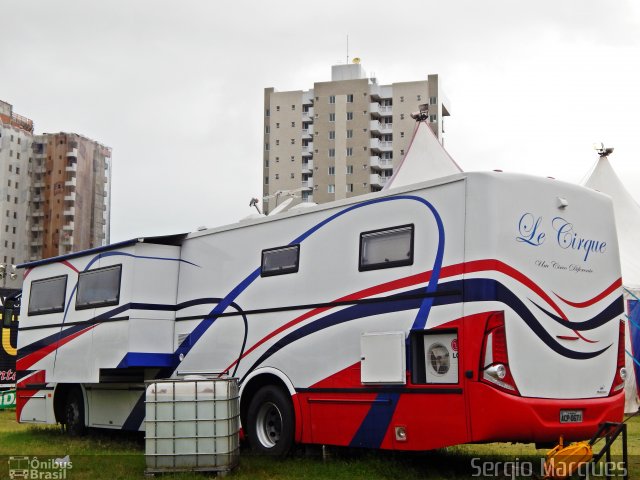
(425, 159)
(627, 212)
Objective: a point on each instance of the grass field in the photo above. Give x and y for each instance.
(114, 455)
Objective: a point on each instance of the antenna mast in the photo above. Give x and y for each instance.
(347, 48)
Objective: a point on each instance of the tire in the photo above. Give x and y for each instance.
(271, 422)
(74, 413)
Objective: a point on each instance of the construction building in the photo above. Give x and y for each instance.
(343, 137)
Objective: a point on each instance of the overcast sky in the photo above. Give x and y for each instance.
(176, 88)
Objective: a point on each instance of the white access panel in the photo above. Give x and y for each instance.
(382, 358)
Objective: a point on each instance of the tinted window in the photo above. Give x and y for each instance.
(47, 295)
(390, 247)
(99, 288)
(278, 261)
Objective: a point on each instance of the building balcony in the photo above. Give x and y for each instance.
(308, 115)
(36, 242)
(38, 184)
(72, 153)
(307, 150)
(386, 146)
(307, 184)
(374, 144)
(36, 198)
(374, 108)
(68, 227)
(307, 167)
(374, 162)
(307, 133)
(386, 163)
(70, 212)
(377, 180)
(70, 197)
(386, 110)
(37, 214)
(37, 228)
(72, 168)
(67, 240)
(71, 182)
(308, 198)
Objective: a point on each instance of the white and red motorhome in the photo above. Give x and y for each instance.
(477, 307)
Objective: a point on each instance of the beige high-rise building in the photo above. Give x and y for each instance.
(70, 195)
(342, 138)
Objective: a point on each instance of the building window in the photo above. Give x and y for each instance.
(332, 117)
(266, 180)
(349, 169)
(277, 108)
(350, 98)
(293, 141)
(47, 295)
(293, 124)
(332, 152)
(266, 164)
(402, 116)
(332, 135)
(401, 134)
(433, 118)
(433, 100)
(18, 155)
(280, 260)
(349, 115)
(277, 176)
(266, 146)
(419, 98)
(277, 142)
(387, 248)
(349, 133)
(332, 170)
(99, 288)
(293, 175)
(293, 107)
(332, 99)
(267, 113)
(331, 188)
(293, 158)
(402, 99)
(349, 152)
(266, 129)
(349, 187)
(277, 125)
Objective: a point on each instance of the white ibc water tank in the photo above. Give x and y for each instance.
(192, 424)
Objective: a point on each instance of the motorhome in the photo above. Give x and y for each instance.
(473, 308)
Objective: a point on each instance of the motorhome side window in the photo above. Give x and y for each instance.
(281, 260)
(99, 288)
(47, 295)
(386, 248)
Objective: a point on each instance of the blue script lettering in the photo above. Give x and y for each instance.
(528, 227)
(568, 238)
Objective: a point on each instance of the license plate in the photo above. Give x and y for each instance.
(570, 416)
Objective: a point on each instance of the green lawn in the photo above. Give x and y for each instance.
(113, 456)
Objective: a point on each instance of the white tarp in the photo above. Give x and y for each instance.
(627, 212)
(425, 159)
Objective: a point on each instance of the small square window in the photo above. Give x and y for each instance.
(277, 108)
(280, 260)
(386, 248)
(293, 107)
(293, 124)
(293, 141)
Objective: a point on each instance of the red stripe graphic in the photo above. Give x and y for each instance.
(449, 271)
(615, 285)
(25, 362)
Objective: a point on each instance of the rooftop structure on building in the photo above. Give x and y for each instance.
(16, 134)
(343, 137)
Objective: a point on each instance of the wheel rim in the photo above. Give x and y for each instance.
(269, 425)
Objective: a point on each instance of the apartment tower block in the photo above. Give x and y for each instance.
(342, 138)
